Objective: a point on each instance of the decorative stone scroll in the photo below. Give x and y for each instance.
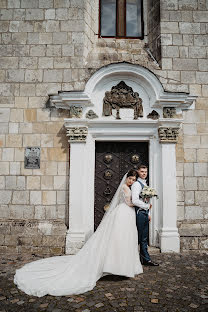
(75, 111)
(168, 135)
(122, 96)
(77, 134)
(169, 112)
(91, 114)
(153, 115)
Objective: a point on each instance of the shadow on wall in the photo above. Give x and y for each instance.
(57, 116)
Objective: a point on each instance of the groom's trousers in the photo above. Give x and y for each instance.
(142, 222)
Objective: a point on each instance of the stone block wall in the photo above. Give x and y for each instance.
(183, 68)
(100, 51)
(184, 39)
(53, 45)
(153, 28)
(40, 55)
(46, 46)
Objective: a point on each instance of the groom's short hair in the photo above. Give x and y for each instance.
(142, 166)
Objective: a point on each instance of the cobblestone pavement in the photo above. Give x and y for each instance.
(180, 283)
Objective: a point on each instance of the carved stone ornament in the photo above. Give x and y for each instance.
(169, 112)
(77, 134)
(122, 96)
(91, 114)
(168, 135)
(75, 111)
(153, 115)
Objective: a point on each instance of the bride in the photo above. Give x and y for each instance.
(112, 249)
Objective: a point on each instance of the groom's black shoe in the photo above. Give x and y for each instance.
(150, 263)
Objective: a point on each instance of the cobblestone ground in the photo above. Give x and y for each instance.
(180, 283)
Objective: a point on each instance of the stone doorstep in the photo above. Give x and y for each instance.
(153, 250)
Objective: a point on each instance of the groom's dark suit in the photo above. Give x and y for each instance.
(142, 220)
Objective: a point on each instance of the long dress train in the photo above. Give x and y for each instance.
(112, 249)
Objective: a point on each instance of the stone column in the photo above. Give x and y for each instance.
(76, 234)
(169, 236)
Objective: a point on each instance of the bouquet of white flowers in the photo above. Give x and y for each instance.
(148, 192)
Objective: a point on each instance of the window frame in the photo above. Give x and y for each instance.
(117, 23)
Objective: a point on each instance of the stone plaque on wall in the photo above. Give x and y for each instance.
(32, 158)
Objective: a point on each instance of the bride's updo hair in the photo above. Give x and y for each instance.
(132, 173)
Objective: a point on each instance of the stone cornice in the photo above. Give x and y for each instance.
(122, 122)
(166, 129)
(65, 99)
(178, 100)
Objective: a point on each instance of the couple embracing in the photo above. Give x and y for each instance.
(112, 249)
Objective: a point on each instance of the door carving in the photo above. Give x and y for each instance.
(113, 160)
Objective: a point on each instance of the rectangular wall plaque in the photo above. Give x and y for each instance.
(32, 158)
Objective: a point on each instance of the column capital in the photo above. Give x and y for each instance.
(77, 134)
(168, 134)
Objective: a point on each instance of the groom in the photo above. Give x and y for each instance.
(142, 215)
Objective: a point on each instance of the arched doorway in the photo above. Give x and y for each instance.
(159, 127)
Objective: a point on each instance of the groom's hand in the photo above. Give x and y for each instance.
(149, 218)
(150, 206)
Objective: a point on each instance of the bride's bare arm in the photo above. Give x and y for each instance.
(127, 195)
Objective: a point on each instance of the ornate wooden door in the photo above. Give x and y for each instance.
(113, 160)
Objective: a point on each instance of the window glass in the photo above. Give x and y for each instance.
(133, 18)
(108, 18)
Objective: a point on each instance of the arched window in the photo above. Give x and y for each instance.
(121, 18)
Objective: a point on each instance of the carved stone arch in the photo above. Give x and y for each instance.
(161, 133)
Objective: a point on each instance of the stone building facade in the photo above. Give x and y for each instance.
(49, 47)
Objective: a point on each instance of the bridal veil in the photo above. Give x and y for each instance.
(66, 275)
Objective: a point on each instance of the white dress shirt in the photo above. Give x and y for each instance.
(136, 189)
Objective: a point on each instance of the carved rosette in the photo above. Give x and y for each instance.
(77, 134)
(91, 114)
(153, 115)
(168, 135)
(75, 111)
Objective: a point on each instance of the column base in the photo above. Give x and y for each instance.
(74, 242)
(169, 240)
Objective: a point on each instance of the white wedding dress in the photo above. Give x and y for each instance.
(112, 249)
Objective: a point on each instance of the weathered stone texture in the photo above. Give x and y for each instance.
(184, 30)
(52, 45)
(33, 236)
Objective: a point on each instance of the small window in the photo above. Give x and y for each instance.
(121, 18)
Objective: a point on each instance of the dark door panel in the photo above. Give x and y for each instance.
(113, 160)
